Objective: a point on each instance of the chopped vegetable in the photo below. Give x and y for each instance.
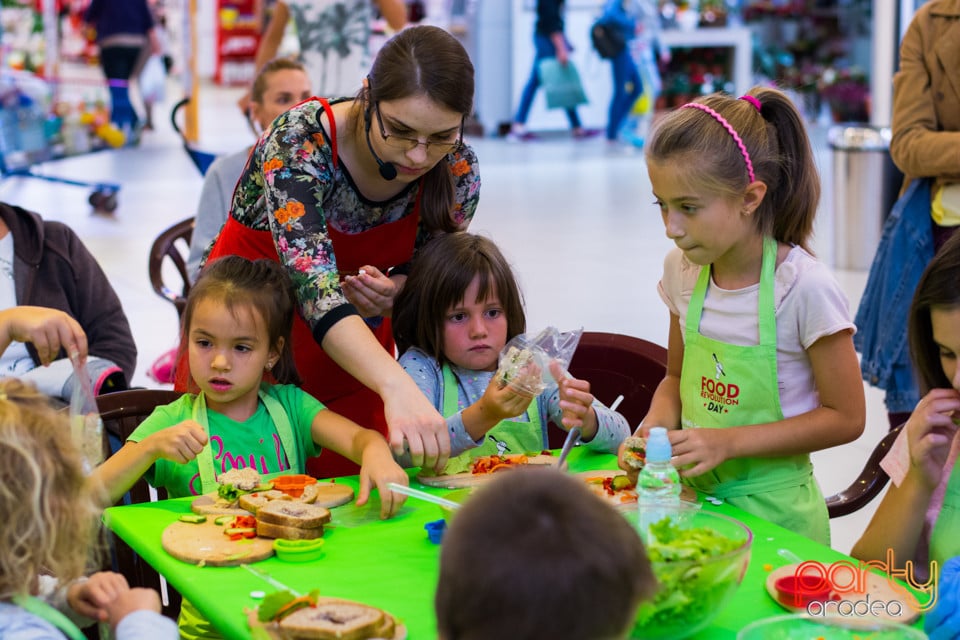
(222, 520)
(193, 518)
(278, 605)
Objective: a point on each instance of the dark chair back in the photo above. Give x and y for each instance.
(121, 413)
(173, 245)
(615, 364)
(869, 483)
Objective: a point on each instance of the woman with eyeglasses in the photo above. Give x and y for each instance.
(344, 193)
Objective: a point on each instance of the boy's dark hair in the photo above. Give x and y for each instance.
(939, 288)
(438, 279)
(536, 555)
(776, 139)
(425, 60)
(262, 285)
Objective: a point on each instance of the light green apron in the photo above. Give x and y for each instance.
(725, 385)
(507, 437)
(945, 537)
(191, 623)
(41, 609)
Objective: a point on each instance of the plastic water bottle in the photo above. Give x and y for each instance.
(658, 484)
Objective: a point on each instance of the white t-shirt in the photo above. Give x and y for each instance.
(809, 305)
(16, 360)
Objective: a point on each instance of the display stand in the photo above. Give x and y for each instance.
(239, 25)
(737, 38)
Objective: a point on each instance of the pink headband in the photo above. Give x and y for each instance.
(726, 125)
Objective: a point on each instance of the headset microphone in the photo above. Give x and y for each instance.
(387, 170)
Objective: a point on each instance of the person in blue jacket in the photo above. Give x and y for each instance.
(627, 85)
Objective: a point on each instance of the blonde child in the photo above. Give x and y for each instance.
(458, 309)
(236, 326)
(922, 460)
(49, 527)
(761, 367)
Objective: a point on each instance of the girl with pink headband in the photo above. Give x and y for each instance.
(761, 366)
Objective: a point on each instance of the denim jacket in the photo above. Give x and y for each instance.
(906, 248)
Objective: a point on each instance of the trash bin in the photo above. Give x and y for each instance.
(865, 187)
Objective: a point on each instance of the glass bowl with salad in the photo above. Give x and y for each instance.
(699, 560)
(804, 627)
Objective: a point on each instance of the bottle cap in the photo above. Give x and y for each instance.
(658, 445)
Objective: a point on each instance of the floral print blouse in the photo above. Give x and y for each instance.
(291, 187)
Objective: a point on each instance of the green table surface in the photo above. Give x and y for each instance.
(392, 565)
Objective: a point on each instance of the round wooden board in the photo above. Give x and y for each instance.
(877, 586)
(207, 505)
(400, 631)
(627, 497)
(467, 479)
(206, 543)
(330, 494)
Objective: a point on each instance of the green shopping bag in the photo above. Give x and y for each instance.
(561, 83)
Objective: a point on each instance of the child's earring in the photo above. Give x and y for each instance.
(269, 365)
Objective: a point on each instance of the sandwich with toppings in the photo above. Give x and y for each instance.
(311, 617)
(635, 452)
(232, 484)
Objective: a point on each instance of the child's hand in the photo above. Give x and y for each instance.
(377, 470)
(930, 432)
(575, 401)
(91, 597)
(499, 403)
(180, 443)
(132, 600)
(371, 292)
(696, 451)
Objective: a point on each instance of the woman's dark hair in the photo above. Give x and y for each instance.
(775, 138)
(261, 285)
(939, 288)
(438, 279)
(425, 60)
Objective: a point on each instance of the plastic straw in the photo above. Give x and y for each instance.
(616, 403)
(422, 495)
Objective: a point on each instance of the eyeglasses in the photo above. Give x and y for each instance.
(404, 143)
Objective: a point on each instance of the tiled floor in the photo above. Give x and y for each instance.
(574, 217)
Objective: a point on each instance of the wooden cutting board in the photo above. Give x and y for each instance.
(322, 494)
(877, 586)
(274, 631)
(468, 479)
(626, 497)
(331, 494)
(206, 543)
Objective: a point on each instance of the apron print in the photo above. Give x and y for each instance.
(718, 396)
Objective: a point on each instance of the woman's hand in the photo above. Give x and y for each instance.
(48, 330)
(696, 451)
(371, 292)
(378, 469)
(90, 598)
(930, 433)
(412, 419)
(180, 443)
(575, 401)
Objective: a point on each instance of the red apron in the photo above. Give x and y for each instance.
(384, 246)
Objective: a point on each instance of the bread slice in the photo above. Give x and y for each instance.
(293, 514)
(335, 621)
(253, 501)
(270, 530)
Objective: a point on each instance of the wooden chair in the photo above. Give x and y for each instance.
(121, 413)
(869, 483)
(616, 364)
(172, 245)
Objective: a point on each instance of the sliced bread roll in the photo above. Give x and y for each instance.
(293, 514)
(335, 621)
(253, 501)
(270, 530)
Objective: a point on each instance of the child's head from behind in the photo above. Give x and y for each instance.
(281, 84)
(237, 324)
(49, 510)
(705, 162)
(536, 555)
(934, 323)
(461, 302)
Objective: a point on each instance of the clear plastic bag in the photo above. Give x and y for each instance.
(525, 360)
(86, 427)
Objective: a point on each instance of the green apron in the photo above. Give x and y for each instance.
(41, 609)
(506, 437)
(725, 385)
(944, 539)
(191, 623)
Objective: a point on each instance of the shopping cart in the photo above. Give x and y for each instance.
(201, 159)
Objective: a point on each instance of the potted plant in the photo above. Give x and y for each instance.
(847, 93)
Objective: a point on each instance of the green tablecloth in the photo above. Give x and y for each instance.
(392, 565)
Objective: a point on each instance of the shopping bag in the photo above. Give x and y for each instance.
(561, 84)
